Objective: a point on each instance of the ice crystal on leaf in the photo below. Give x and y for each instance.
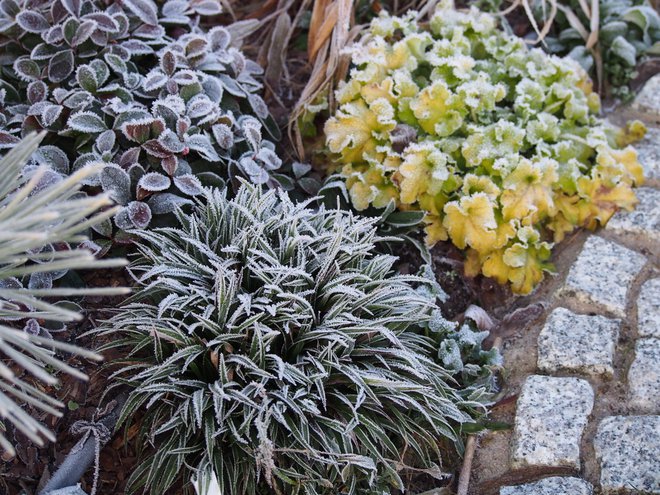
(500, 145)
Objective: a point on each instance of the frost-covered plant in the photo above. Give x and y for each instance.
(498, 144)
(139, 87)
(627, 32)
(273, 351)
(35, 221)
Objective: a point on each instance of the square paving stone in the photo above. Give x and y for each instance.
(643, 223)
(602, 275)
(648, 99)
(550, 418)
(579, 343)
(648, 153)
(555, 485)
(628, 451)
(644, 377)
(648, 309)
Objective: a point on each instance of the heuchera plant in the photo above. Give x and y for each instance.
(498, 144)
(272, 350)
(139, 87)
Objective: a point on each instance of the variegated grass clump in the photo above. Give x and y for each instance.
(141, 88)
(272, 350)
(34, 218)
(499, 145)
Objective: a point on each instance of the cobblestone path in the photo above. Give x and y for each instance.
(586, 414)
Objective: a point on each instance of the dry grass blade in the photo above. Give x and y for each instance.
(277, 50)
(594, 24)
(574, 21)
(542, 33)
(330, 64)
(324, 19)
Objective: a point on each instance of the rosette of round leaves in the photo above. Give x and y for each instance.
(138, 86)
(272, 350)
(499, 145)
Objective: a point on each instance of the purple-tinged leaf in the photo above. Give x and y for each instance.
(139, 214)
(37, 91)
(54, 36)
(138, 131)
(168, 62)
(154, 80)
(196, 47)
(206, 7)
(60, 66)
(169, 165)
(154, 148)
(171, 142)
(32, 21)
(72, 6)
(151, 33)
(220, 38)
(185, 77)
(84, 32)
(199, 106)
(145, 10)
(154, 182)
(129, 157)
(188, 184)
(32, 326)
(202, 145)
(103, 21)
(50, 114)
(117, 183)
(166, 203)
(122, 220)
(137, 48)
(223, 135)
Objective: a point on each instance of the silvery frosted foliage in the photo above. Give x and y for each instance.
(36, 219)
(273, 350)
(139, 87)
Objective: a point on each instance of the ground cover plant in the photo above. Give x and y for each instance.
(36, 219)
(609, 38)
(271, 350)
(140, 87)
(499, 145)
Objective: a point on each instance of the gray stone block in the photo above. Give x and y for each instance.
(648, 99)
(555, 485)
(579, 343)
(648, 152)
(551, 416)
(602, 275)
(643, 223)
(648, 309)
(644, 377)
(628, 451)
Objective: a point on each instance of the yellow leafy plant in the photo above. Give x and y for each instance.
(500, 145)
